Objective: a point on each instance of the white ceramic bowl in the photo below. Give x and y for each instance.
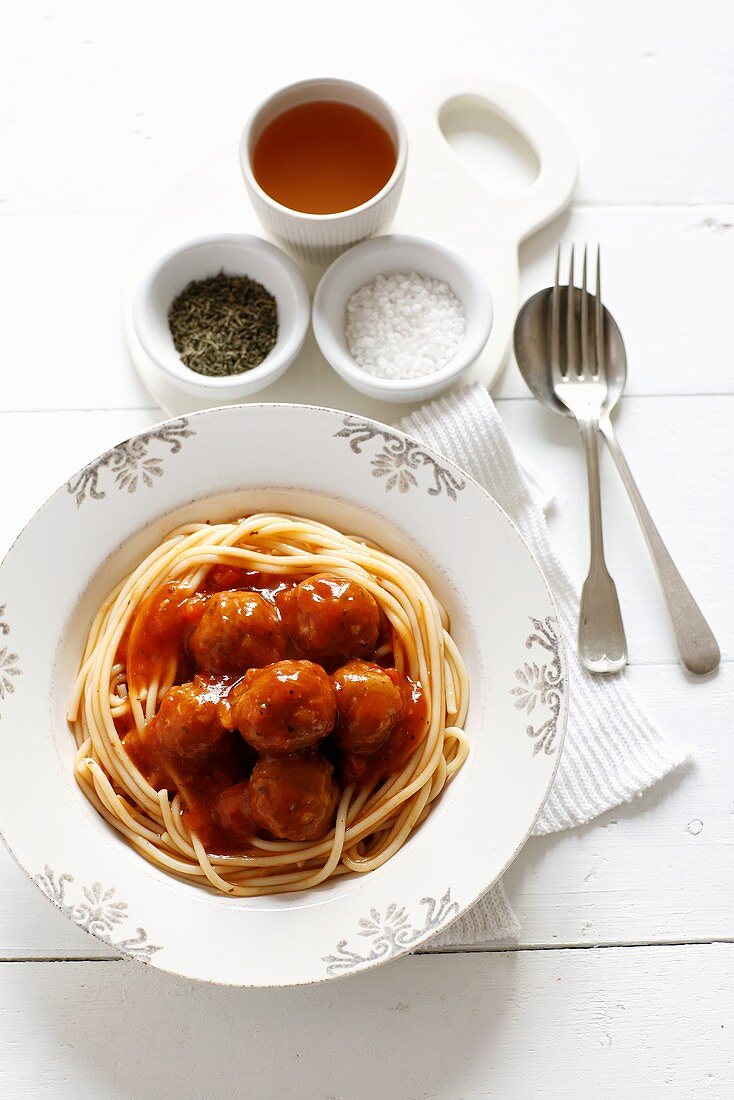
(395, 254)
(318, 238)
(365, 479)
(235, 254)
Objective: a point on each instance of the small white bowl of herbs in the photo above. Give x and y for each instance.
(401, 318)
(222, 316)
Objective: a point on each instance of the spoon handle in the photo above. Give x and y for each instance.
(698, 648)
(602, 644)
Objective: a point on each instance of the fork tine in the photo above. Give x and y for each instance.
(601, 366)
(587, 367)
(572, 359)
(555, 344)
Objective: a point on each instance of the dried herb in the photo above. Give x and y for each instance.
(223, 325)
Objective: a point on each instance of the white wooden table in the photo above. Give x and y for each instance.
(623, 979)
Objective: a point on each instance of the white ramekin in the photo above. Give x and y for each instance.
(319, 238)
(392, 255)
(235, 254)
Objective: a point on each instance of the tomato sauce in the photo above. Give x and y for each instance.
(410, 730)
(160, 631)
(269, 585)
(221, 819)
(184, 748)
(190, 748)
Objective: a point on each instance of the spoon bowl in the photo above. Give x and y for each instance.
(697, 646)
(532, 344)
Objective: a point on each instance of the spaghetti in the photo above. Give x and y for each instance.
(117, 695)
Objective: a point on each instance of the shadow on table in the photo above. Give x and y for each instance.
(411, 1029)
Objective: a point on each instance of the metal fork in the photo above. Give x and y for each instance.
(579, 380)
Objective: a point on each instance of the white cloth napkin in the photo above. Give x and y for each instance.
(611, 752)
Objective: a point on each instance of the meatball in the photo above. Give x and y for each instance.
(283, 708)
(184, 741)
(294, 797)
(331, 619)
(369, 702)
(222, 822)
(238, 630)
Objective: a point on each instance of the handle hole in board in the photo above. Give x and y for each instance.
(489, 145)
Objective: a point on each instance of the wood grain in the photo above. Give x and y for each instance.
(643, 874)
(655, 1023)
(101, 108)
(644, 91)
(679, 448)
(653, 264)
(657, 870)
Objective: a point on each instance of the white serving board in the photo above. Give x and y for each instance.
(443, 198)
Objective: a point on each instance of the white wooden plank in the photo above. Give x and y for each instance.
(99, 110)
(117, 103)
(680, 451)
(599, 884)
(658, 870)
(61, 284)
(43, 450)
(659, 435)
(30, 927)
(665, 276)
(539, 1024)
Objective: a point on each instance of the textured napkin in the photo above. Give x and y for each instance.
(611, 751)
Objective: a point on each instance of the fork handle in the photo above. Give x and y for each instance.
(602, 643)
(698, 648)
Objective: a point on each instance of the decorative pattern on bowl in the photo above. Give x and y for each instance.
(542, 684)
(96, 911)
(390, 933)
(9, 667)
(399, 458)
(130, 463)
(437, 519)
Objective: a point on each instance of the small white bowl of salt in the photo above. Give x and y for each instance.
(401, 318)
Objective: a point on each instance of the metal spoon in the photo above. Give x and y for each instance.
(698, 648)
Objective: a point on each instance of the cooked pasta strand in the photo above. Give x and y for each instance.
(372, 821)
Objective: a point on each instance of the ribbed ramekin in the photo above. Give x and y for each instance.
(320, 238)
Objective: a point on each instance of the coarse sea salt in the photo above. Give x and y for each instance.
(404, 326)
